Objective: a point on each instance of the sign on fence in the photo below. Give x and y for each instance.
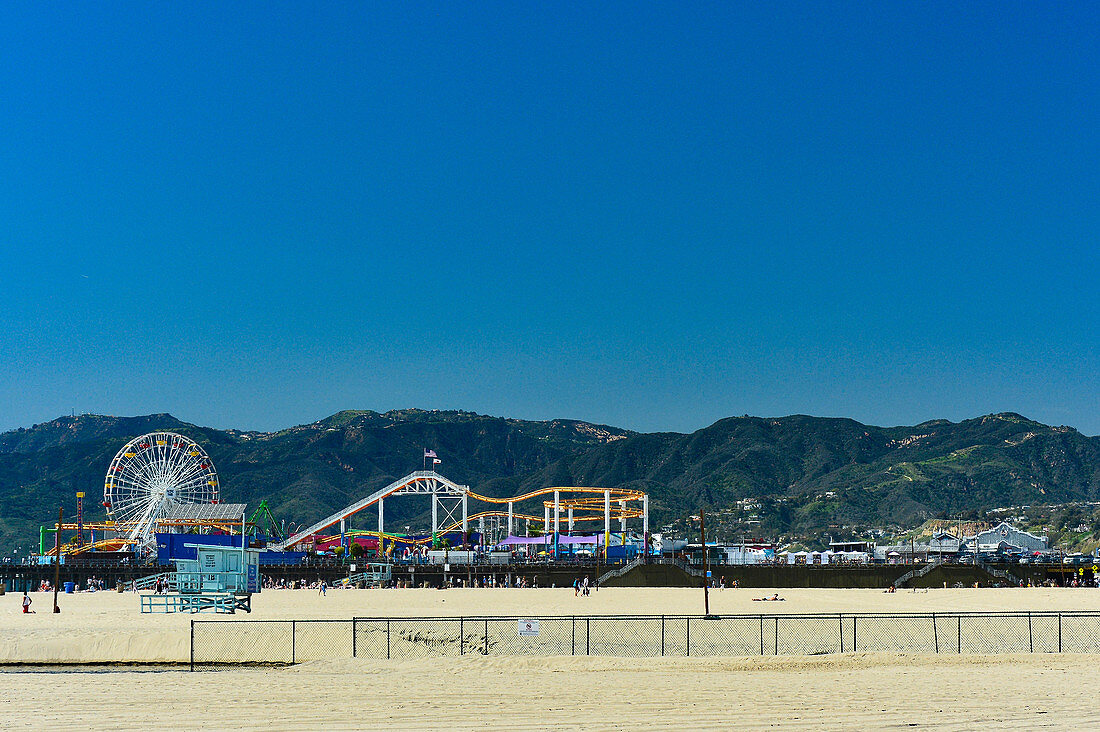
(529, 627)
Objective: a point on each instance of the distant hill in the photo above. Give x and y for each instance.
(801, 475)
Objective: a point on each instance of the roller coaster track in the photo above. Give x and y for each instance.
(384, 535)
(427, 482)
(617, 494)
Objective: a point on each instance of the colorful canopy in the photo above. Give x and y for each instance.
(543, 540)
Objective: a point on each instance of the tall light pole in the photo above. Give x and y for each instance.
(706, 564)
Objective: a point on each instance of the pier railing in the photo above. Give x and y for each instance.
(220, 642)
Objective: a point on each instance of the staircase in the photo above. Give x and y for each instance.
(694, 572)
(987, 568)
(639, 561)
(620, 571)
(1001, 573)
(917, 572)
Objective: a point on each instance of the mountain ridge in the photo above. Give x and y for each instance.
(804, 474)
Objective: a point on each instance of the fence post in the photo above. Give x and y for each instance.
(573, 636)
(841, 618)
(461, 637)
(688, 637)
(486, 637)
(855, 638)
(387, 639)
(354, 638)
(293, 641)
(1059, 632)
(960, 619)
(192, 645)
(761, 635)
(1030, 637)
(662, 635)
(777, 635)
(587, 636)
(935, 633)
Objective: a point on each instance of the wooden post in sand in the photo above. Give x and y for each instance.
(57, 558)
(706, 565)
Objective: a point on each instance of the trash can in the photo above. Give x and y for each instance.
(69, 587)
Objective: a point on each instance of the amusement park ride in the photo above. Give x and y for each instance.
(166, 482)
(148, 478)
(581, 504)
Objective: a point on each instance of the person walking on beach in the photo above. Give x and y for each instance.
(324, 586)
(27, 603)
(576, 587)
(584, 586)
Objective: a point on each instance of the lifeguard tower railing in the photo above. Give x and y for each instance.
(194, 582)
(376, 574)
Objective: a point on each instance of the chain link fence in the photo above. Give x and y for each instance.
(277, 642)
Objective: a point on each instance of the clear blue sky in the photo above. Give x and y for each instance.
(652, 215)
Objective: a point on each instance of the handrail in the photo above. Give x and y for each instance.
(619, 571)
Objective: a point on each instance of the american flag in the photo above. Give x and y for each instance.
(429, 453)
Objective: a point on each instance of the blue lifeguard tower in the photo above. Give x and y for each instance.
(211, 575)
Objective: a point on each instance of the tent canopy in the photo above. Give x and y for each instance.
(543, 540)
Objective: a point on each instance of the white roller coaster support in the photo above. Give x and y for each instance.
(419, 482)
(465, 520)
(557, 520)
(381, 501)
(570, 520)
(606, 521)
(645, 525)
(509, 518)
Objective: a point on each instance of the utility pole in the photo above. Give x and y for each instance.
(57, 558)
(706, 565)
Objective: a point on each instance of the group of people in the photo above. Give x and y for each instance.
(92, 584)
(581, 587)
(486, 581)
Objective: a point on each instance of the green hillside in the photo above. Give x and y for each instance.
(796, 476)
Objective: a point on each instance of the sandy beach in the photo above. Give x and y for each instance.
(861, 691)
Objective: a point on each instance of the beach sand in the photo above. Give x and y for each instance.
(843, 691)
